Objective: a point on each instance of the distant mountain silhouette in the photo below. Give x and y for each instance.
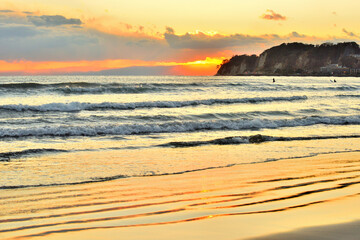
(298, 59)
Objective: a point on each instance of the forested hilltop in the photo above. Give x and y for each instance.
(289, 59)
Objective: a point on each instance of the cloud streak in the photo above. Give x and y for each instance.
(53, 20)
(6, 11)
(350, 34)
(200, 40)
(271, 15)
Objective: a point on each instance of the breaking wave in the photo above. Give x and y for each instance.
(79, 106)
(98, 88)
(176, 126)
(249, 139)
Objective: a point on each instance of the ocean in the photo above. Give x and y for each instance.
(72, 129)
(61, 131)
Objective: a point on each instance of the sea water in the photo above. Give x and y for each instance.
(61, 130)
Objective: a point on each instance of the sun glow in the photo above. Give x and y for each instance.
(208, 60)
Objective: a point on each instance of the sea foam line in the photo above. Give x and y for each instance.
(7, 156)
(29, 85)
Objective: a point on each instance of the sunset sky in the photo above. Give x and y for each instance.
(187, 37)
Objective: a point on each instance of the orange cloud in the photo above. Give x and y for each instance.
(271, 15)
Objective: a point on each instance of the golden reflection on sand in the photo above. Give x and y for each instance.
(236, 202)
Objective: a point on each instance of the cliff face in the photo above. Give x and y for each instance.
(297, 59)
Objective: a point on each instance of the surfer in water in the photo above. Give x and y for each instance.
(273, 80)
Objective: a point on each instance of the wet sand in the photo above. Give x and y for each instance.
(247, 201)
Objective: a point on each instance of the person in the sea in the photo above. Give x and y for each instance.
(334, 80)
(273, 79)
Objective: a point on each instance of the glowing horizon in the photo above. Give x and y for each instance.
(198, 67)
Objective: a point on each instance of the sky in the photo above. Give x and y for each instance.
(178, 37)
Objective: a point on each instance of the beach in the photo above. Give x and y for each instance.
(251, 201)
